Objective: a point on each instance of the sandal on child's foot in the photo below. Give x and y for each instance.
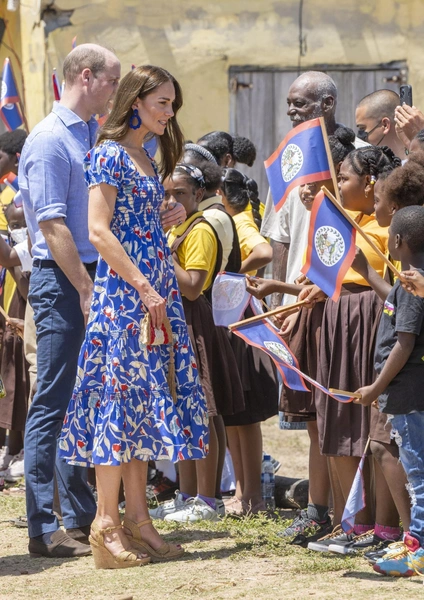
(104, 559)
(164, 552)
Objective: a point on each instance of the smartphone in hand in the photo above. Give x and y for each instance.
(405, 95)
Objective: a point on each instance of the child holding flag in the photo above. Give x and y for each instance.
(398, 387)
(347, 334)
(240, 195)
(304, 329)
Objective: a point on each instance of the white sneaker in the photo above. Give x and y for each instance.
(195, 509)
(5, 458)
(220, 507)
(169, 507)
(16, 468)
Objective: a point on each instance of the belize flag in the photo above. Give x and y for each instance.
(229, 298)
(331, 246)
(12, 181)
(264, 335)
(356, 499)
(300, 158)
(9, 99)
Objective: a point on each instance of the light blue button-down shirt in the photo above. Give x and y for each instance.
(51, 179)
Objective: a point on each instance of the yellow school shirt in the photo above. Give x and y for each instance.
(6, 197)
(199, 250)
(380, 236)
(248, 234)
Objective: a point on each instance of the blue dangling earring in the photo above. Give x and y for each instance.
(135, 120)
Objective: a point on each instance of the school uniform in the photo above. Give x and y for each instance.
(196, 247)
(346, 352)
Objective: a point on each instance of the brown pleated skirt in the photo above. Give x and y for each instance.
(259, 380)
(346, 362)
(215, 359)
(304, 343)
(14, 372)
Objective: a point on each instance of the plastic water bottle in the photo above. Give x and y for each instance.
(268, 482)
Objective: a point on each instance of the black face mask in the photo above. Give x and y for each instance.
(363, 135)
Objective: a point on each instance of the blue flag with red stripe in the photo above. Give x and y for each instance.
(264, 335)
(300, 158)
(356, 499)
(9, 99)
(331, 246)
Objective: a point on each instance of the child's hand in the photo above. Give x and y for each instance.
(259, 288)
(312, 293)
(360, 263)
(16, 326)
(413, 282)
(368, 395)
(287, 323)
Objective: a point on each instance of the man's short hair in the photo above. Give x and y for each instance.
(85, 56)
(408, 222)
(322, 84)
(380, 104)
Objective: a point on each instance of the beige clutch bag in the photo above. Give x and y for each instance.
(152, 336)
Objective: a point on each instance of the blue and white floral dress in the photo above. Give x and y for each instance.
(122, 407)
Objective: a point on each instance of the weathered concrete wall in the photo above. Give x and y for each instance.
(198, 41)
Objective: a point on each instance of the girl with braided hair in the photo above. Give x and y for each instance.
(254, 366)
(346, 352)
(197, 255)
(229, 150)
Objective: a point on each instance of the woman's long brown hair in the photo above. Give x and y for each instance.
(139, 83)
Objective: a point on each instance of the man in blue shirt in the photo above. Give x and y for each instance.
(55, 200)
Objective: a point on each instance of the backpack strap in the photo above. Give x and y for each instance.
(180, 239)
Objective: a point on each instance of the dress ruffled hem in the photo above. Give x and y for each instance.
(104, 428)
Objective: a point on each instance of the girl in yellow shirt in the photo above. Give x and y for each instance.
(197, 256)
(346, 356)
(255, 367)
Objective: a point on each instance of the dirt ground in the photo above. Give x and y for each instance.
(228, 560)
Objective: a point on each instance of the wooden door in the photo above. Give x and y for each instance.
(258, 105)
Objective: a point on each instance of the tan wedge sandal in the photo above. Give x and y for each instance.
(164, 552)
(104, 559)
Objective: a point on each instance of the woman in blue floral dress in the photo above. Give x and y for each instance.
(122, 412)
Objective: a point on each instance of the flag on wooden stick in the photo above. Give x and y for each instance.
(300, 158)
(331, 246)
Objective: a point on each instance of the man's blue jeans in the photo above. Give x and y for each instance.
(408, 431)
(60, 332)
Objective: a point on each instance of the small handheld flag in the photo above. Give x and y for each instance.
(300, 158)
(74, 42)
(331, 246)
(56, 86)
(9, 99)
(229, 298)
(12, 181)
(356, 499)
(263, 335)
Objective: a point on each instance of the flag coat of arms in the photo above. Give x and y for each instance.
(300, 158)
(331, 246)
(229, 298)
(9, 99)
(263, 335)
